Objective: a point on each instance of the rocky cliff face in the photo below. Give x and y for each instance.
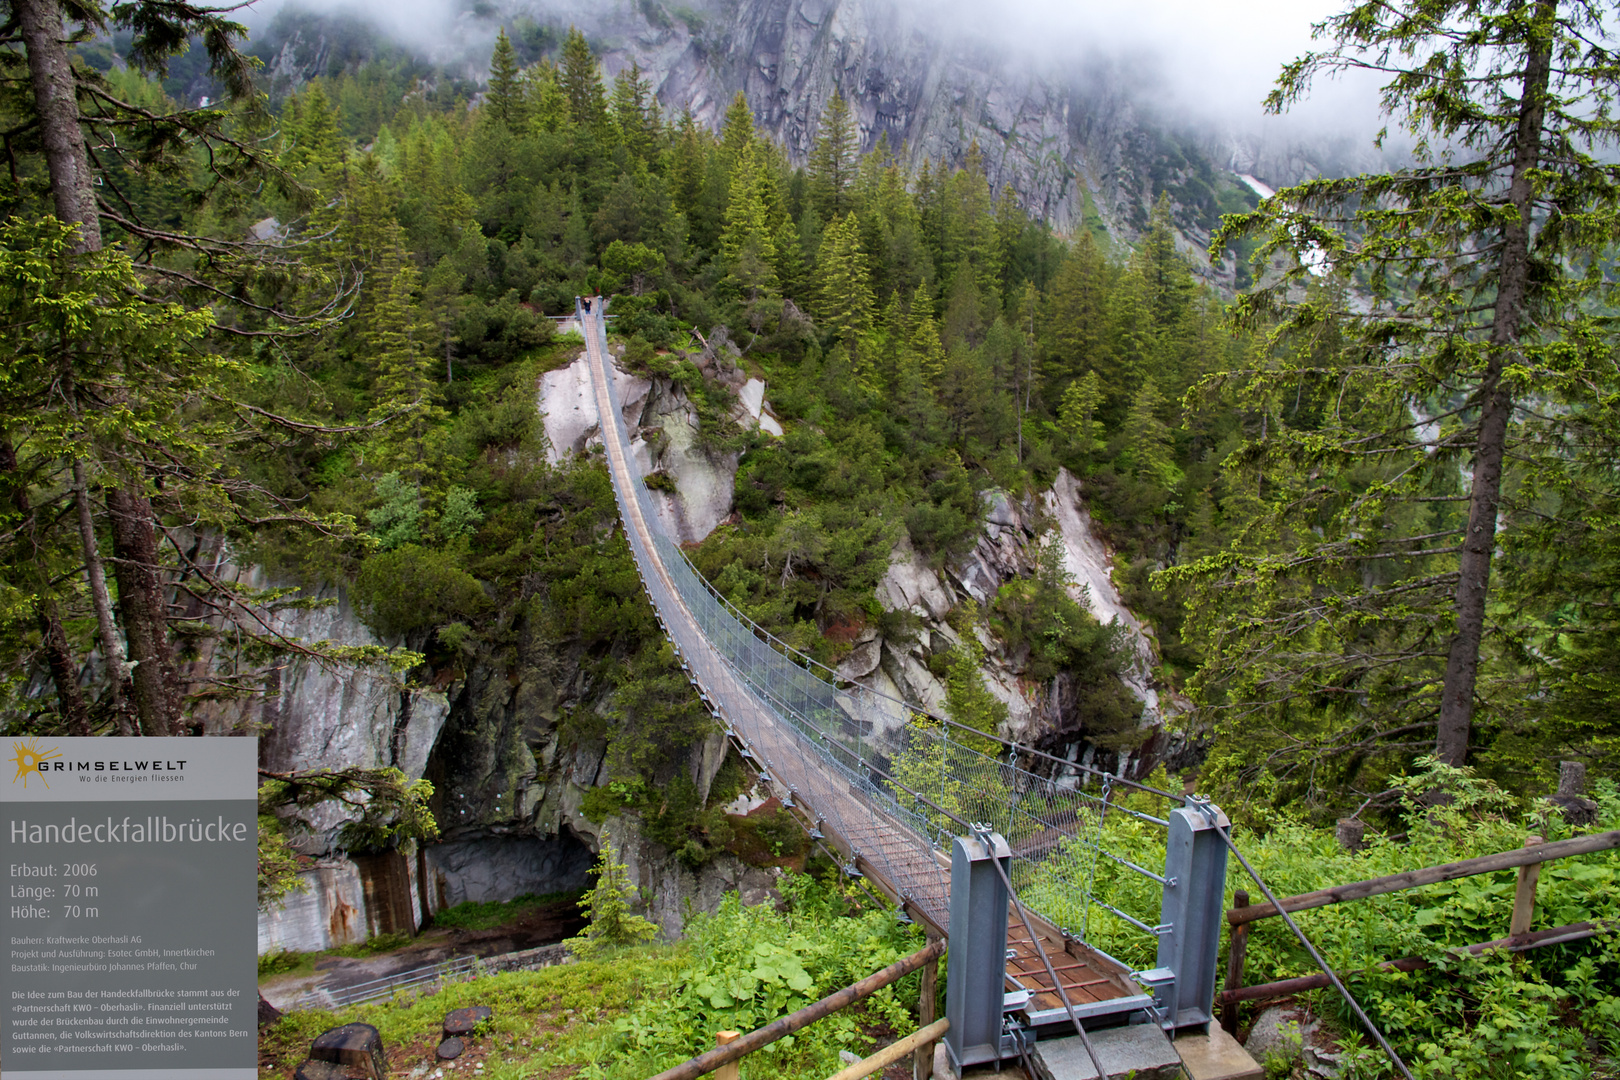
(1042, 713)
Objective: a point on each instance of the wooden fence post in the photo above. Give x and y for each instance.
(922, 1065)
(1234, 964)
(1524, 897)
(728, 1071)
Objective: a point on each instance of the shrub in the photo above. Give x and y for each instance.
(416, 588)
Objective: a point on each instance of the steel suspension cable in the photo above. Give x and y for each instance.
(1321, 961)
(1040, 950)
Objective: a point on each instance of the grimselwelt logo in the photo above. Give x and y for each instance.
(28, 755)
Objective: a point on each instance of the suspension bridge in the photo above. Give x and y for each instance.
(890, 788)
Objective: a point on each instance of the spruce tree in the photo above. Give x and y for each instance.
(834, 160)
(843, 284)
(635, 116)
(737, 136)
(399, 342)
(1475, 308)
(507, 101)
(1077, 416)
(923, 342)
(581, 80)
(1073, 313)
(612, 925)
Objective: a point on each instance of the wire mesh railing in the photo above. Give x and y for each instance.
(893, 781)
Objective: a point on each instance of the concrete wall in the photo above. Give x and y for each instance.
(330, 911)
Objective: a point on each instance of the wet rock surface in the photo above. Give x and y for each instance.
(465, 1021)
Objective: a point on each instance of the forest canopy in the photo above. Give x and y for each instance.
(307, 334)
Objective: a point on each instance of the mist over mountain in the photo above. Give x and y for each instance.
(1086, 115)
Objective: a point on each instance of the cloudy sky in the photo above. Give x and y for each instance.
(1216, 57)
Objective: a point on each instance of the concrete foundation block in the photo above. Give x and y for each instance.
(1133, 1052)
(1217, 1056)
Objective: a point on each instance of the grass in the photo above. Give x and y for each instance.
(547, 1023)
(490, 914)
(284, 962)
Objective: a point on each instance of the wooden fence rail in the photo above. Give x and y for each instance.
(1411, 879)
(744, 1045)
(1527, 860)
(1557, 935)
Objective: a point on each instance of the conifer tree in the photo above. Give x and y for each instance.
(923, 342)
(399, 342)
(737, 136)
(834, 160)
(1077, 415)
(1477, 301)
(792, 274)
(843, 284)
(1149, 447)
(581, 80)
(635, 114)
(967, 698)
(1072, 326)
(550, 112)
(507, 101)
(970, 241)
(612, 925)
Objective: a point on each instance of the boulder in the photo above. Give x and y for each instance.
(465, 1021)
(450, 1049)
(861, 661)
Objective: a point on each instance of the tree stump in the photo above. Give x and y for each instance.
(358, 1046)
(1351, 834)
(1571, 799)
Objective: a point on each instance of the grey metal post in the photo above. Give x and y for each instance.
(1190, 919)
(977, 963)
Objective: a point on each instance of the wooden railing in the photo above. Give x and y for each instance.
(1527, 860)
(734, 1046)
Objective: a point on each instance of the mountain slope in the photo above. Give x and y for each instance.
(1079, 144)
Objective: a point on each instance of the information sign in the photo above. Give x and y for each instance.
(131, 909)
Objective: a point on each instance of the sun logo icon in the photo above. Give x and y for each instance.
(28, 756)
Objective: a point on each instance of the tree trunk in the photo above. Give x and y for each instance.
(142, 603)
(155, 690)
(111, 648)
(55, 98)
(53, 638)
(1495, 402)
(64, 671)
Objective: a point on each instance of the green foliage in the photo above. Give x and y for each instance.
(967, 699)
(637, 1010)
(416, 588)
(461, 515)
(379, 808)
(1539, 1014)
(612, 926)
(751, 965)
(397, 520)
(1037, 616)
